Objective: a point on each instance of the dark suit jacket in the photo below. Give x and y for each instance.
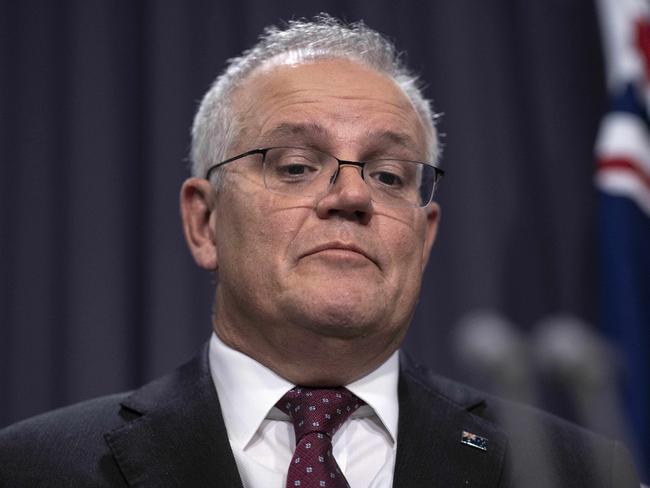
(171, 433)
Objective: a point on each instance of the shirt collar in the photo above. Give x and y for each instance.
(379, 390)
(248, 390)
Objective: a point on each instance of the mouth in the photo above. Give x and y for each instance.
(340, 249)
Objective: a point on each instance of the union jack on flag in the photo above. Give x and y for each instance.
(623, 147)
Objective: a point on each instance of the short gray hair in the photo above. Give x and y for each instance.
(216, 126)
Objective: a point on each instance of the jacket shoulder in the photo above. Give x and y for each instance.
(64, 446)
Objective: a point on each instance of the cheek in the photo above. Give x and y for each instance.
(404, 242)
(272, 238)
(260, 241)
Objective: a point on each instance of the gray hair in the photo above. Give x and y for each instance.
(216, 126)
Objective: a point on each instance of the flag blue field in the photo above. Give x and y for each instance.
(623, 180)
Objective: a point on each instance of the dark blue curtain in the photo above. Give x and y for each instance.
(97, 291)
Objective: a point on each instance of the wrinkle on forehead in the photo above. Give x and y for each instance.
(314, 130)
(339, 93)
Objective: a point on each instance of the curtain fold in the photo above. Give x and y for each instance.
(97, 291)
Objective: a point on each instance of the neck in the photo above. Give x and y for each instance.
(302, 355)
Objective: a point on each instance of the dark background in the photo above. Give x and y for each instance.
(97, 291)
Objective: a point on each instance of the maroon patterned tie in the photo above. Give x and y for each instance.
(316, 414)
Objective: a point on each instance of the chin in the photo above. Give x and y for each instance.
(344, 320)
(337, 308)
(341, 327)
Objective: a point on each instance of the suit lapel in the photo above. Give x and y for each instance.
(175, 434)
(432, 417)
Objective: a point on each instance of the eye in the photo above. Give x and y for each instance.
(292, 165)
(388, 173)
(295, 169)
(387, 178)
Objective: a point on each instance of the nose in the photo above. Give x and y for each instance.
(349, 197)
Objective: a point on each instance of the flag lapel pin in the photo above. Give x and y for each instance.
(474, 440)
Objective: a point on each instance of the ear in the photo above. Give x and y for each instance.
(433, 219)
(198, 202)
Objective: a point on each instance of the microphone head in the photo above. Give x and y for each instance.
(487, 344)
(568, 350)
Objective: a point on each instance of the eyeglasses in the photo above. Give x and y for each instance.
(306, 172)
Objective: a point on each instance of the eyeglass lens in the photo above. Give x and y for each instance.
(309, 172)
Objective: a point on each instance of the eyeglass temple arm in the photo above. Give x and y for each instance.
(234, 158)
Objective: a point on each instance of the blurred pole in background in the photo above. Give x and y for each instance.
(623, 177)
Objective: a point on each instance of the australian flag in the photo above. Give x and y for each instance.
(623, 180)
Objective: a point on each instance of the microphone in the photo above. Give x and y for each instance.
(495, 353)
(571, 353)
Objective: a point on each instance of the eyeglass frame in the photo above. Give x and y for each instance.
(439, 172)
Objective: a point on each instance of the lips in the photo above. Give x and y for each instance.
(339, 246)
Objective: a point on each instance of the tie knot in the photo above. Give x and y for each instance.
(318, 410)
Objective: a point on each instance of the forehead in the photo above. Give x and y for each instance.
(333, 99)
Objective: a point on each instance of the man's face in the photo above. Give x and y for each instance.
(335, 265)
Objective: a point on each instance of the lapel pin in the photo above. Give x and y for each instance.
(474, 440)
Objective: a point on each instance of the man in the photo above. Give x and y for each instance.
(314, 168)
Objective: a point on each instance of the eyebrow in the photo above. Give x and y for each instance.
(393, 138)
(313, 130)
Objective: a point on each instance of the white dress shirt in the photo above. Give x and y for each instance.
(261, 436)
